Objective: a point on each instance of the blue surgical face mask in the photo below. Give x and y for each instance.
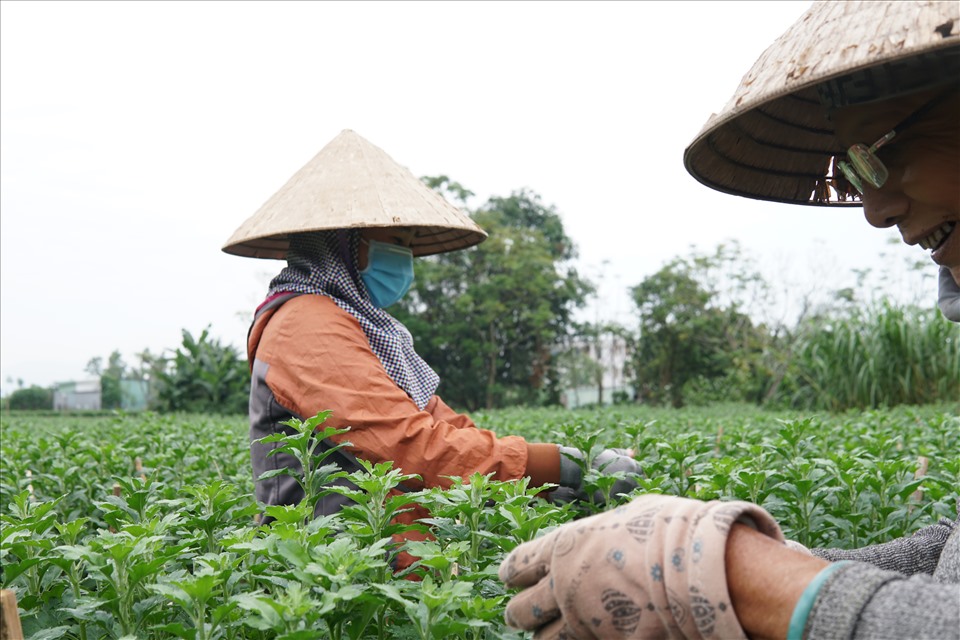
(389, 272)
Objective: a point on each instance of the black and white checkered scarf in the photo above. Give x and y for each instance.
(324, 263)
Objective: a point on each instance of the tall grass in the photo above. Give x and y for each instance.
(879, 356)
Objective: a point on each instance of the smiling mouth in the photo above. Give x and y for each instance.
(936, 238)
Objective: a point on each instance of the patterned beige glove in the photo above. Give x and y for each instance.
(653, 568)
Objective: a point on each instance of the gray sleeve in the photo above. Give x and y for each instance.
(571, 476)
(949, 298)
(862, 602)
(915, 554)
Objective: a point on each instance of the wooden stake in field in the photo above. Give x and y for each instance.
(10, 628)
(922, 464)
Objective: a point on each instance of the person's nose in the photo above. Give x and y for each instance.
(886, 207)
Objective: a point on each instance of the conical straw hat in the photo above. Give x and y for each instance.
(773, 139)
(353, 184)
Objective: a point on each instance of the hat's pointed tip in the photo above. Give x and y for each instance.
(352, 183)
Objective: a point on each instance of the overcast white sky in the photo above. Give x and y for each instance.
(136, 136)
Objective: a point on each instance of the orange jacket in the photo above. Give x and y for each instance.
(309, 355)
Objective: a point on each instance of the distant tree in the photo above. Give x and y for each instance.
(489, 319)
(94, 366)
(111, 389)
(693, 330)
(451, 190)
(203, 376)
(31, 398)
(146, 370)
(111, 393)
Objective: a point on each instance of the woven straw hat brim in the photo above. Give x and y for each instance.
(353, 184)
(773, 139)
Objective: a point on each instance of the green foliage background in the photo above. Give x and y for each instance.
(202, 375)
(490, 320)
(699, 341)
(177, 552)
(32, 398)
(498, 322)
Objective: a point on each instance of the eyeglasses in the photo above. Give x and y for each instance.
(865, 166)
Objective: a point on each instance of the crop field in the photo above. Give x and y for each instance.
(145, 526)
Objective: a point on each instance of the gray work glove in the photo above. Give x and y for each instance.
(607, 462)
(949, 299)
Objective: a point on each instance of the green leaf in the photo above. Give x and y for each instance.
(55, 633)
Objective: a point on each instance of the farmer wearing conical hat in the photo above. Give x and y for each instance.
(349, 224)
(857, 104)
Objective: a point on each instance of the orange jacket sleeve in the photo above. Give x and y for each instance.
(440, 411)
(319, 359)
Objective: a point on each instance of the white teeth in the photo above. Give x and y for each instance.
(933, 240)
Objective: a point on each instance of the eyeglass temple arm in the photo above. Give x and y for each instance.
(887, 137)
(912, 118)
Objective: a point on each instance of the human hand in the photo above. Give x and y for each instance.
(796, 546)
(609, 462)
(652, 568)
